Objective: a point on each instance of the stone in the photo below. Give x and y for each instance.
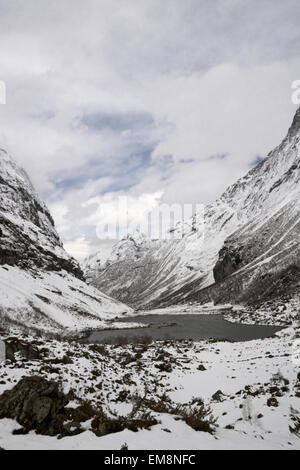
(35, 403)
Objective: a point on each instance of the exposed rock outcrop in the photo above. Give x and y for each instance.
(35, 403)
(28, 237)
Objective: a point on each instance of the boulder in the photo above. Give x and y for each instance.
(218, 396)
(35, 403)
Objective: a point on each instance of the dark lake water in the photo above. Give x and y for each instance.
(193, 326)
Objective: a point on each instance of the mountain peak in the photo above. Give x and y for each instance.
(136, 237)
(261, 207)
(10, 170)
(18, 192)
(295, 127)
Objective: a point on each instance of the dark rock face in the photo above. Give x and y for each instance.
(17, 249)
(263, 262)
(229, 260)
(36, 404)
(28, 237)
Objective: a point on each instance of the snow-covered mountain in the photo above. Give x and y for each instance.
(134, 264)
(244, 249)
(41, 286)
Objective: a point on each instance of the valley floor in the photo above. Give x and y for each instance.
(252, 388)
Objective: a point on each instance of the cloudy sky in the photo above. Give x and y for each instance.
(156, 100)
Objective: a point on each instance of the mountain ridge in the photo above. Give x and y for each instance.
(41, 285)
(194, 261)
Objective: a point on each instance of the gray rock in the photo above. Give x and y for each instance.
(218, 396)
(35, 403)
(27, 351)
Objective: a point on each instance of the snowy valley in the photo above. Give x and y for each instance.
(59, 391)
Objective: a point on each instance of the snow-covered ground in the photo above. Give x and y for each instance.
(55, 302)
(248, 374)
(281, 313)
(208, 308)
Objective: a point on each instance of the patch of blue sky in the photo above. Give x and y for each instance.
(256, 161)
(218, 156)
(117, 122)
(126, 170)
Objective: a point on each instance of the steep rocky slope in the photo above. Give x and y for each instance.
(133, 266)
(41, 285)
(27, 233)
(247, 240)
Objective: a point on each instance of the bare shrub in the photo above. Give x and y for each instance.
(197, 415)
(194, 413)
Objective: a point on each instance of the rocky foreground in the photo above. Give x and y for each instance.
(166, 394)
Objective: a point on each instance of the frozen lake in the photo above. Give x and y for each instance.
(182, 326)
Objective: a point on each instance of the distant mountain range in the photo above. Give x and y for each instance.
(247, 251)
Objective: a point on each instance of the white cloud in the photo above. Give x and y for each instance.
(234, 110)
(79, 248)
